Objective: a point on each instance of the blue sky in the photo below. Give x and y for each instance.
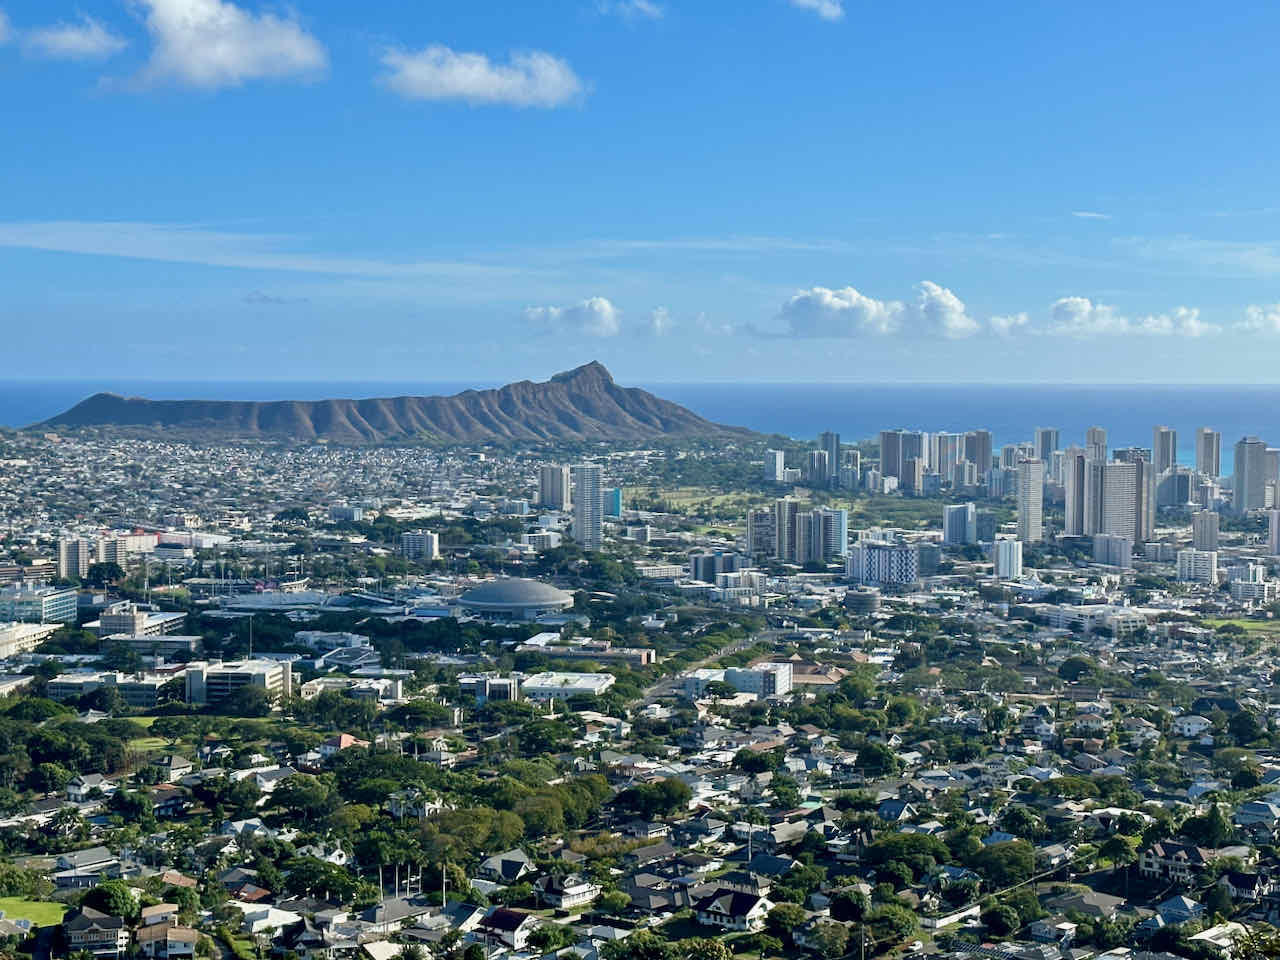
(769, 190)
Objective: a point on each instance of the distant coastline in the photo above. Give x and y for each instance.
(800, 410)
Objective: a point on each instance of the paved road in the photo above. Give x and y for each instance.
(667, 686)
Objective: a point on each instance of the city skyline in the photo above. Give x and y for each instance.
(494, 191)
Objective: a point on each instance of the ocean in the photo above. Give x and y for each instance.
(801, 410)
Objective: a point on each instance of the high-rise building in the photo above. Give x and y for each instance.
(588, 506)
(1164, 448)
(1273, 533)
(915, 444)
(835, 532)
(1249, 482)
(808, 527)
(1208, 452)
(912, 476)
(761, 536)
(1006, 558)
(612, 501)
(1145, 501)
(74, 557)
(784, 528)
(1119, 508)
(829, 441)
(1095, 444)
(876, 563)
(1198, 566)
(959, 523)
(1131, 454)
(977, 450)
(1113, 550)
(420, 545)
(818, 468)
(1031, 501)
(775, 465)
(1046, 442)
(553, 487)
(890, 453)
(1075, 478)
(851, 471)
(945, 451)
(1204, 530)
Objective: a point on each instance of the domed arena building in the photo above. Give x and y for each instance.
(514, 598)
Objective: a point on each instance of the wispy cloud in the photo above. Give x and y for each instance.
(180, 244)
(632, 9)
(1226, 258)
(826, 9)
(86, 40)
(1090, 215)
(6, 32)
(528, 79)
(258, 298)
(215, 43)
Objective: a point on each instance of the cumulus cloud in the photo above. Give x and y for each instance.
(86, 40)
(1010, 324)
(214, 43)
(820, 312)
(593, 317)
(1081, 317)
(941, 310)
(1263, 318)
(826, 9)
(529, 79)
(632, 9)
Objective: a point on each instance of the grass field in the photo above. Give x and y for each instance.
(40, 914)
(1249, 626)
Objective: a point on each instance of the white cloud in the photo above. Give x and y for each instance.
(86, 40)
(530, 79)
(1010, 324)
(940, 309)
(1081, 317)
(214, 43)
(660, 321)
(593, 317)
(1090, 215)
(826, 9)
(632, 9)
(1263, 318)
(820, 312)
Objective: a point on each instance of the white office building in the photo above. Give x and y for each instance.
(1198, 566)
(1031, 501)
(775, 466)
(553, 486)
(562, 686)
(74, 557)
(878, 563)
(1006, 558)
(1113, 550)
(421, 545)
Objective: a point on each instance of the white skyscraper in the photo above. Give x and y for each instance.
(775, 464)
(1031, 501)
(1208, 452)
(959, 523)
(1119, 515)
(1006, 557)
(1273, 533)
(1198, 566)
(588, 506)
(420, 545)
(553, 486)
(1164, 448)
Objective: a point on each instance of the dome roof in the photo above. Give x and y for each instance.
(516, 592)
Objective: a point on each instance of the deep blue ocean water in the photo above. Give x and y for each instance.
(802, 410)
